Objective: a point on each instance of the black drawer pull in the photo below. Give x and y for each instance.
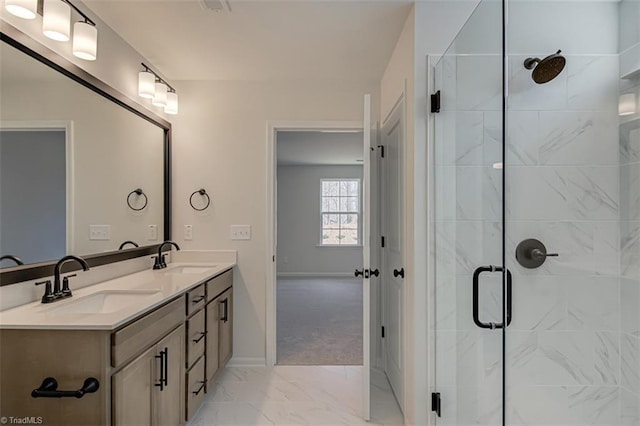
(202, 385)
(198, 299)
(202, 334)
(49, 389)
(225, 315)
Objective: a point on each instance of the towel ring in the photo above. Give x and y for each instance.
(138, 192)
(202, 192)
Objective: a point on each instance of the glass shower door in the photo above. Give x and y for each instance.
(468, 223)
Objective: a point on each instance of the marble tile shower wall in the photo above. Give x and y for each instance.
(563, 354)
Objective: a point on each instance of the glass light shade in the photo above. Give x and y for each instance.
(627, 104)
(172, 103)
(85, 41)
(25, 9)
(146, 84)
(160, 97)
(56, 20)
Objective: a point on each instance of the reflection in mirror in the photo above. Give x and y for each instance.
(69, 158)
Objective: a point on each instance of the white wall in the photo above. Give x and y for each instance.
(299, 251)
(221, 144)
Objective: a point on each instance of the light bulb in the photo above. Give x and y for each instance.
(56, 20)
(160, 96)
(172, 103)
(85, 41)
(25, 9)
(146, 84)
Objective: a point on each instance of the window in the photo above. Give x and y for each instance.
(340, 212)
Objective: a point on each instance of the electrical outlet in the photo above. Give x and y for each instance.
(152, 232)
(188, 232)
(240, 232)
(99, 232)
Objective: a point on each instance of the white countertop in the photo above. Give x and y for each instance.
(154, 287)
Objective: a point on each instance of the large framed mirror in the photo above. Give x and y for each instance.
(83, 169)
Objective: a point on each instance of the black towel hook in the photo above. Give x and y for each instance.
(138, 192)
(204, 194)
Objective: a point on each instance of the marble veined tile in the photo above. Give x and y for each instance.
(563, 193)
(592, 82)
(629, 408)
(630, 363)
(479, 85)
(630, 249)
(539, 303)
(630, 306)
(593, 303)
(629, 144)
(523, 135)
(563, 405)
(525, 94)
(579, 138)
(630, 191)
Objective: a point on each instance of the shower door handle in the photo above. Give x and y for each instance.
(476, 287)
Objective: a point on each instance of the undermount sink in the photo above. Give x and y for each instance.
(105, 302)
(189, 269)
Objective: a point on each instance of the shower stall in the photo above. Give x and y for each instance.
(536, 216)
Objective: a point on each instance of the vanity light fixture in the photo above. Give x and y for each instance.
(172, 103)
(152, 86)
(56, 20)
(627, 104)
(85, 40)
(160, 95)
(25, 9)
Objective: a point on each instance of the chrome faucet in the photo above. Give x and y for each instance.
(58, 291)
(160, 263)
(12, 257)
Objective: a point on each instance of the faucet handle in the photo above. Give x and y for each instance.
(66, 291)
(48, 295)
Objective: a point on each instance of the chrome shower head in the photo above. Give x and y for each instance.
(546, 69)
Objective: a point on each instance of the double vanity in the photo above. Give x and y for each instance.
(142, 349)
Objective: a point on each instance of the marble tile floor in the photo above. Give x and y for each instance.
(296, 395)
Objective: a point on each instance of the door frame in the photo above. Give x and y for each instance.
(271, 217)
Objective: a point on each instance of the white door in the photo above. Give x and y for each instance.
(392, 254)
(366, 256)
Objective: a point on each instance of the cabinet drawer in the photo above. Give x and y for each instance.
(196, 340)
(219, 284)
(196, 299)
(195, 387)
(131, 340)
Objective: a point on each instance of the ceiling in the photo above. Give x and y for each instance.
(319, 148)
(260, 40)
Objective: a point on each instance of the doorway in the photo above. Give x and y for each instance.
(319, 307)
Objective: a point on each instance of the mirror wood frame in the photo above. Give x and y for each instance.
(21, 41)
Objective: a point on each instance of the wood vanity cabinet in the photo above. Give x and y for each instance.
(147, 391)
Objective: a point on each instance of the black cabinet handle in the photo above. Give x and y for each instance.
(225, 315)
(164, 369)
(476, 307)
(49, 389)
(375, 272)
(359, 273)
(202, 385)
(202, 334)
(399, 273)
(198, 299)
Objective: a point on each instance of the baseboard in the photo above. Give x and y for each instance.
(315, 275)
(247, 362)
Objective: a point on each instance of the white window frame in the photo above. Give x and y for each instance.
(358, 213)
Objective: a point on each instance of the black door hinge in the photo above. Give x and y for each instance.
(383, 331)
(435, 102)
(382, 241)
(436, 403)
(274, 258)
(381, 148)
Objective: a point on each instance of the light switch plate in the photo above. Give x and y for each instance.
(188, 232)
(99, 232)
(152, 232)
(240, 232)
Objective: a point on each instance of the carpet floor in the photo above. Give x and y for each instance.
(319, 321)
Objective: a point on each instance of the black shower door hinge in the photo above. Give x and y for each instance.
(436, 403)
(381, 148)
(382, 241)
(435, 102)
(383, 331)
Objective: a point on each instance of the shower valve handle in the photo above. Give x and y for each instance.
(539, 254)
